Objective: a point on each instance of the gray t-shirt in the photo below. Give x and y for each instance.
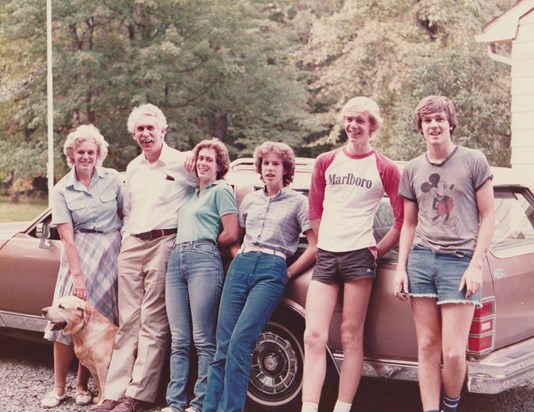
(445, 193)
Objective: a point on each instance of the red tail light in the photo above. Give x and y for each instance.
(482, 332)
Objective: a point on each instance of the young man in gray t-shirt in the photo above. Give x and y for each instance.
(448, 226)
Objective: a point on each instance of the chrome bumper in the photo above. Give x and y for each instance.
(24, 322)
(503, 369)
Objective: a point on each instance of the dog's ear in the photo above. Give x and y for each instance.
(87, 313)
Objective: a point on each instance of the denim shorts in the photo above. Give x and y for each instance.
(339, 267)
(438, 275)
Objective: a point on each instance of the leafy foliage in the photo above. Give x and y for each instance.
(244, 71)
(398, 53)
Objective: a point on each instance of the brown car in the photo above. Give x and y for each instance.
(501, 343)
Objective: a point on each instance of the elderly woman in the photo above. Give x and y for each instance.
(195, 275)
(86, 209)
(271, 220)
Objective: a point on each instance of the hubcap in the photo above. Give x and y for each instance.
(274, 364)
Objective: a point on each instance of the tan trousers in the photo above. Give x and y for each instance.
(142, 340)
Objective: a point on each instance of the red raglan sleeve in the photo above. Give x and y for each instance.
(390, 175)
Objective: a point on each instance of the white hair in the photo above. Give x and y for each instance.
(83, 133)
(146, 109)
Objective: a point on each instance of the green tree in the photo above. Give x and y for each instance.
(399, 52)
(215, 68)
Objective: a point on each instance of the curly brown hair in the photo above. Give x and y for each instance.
(281, 149)
(221, 155)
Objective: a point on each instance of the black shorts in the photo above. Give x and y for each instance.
(340, 267)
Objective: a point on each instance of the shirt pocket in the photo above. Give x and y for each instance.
(108, 197)
(77, 204)
(171, 189)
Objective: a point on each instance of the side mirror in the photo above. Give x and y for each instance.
(43, 233)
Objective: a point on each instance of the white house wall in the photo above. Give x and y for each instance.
(523, 95)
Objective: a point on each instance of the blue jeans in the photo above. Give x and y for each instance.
(192, 291)
(254, 286)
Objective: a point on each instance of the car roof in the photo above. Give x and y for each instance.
(243, 171)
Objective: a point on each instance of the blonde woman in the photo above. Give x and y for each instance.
(86, 209)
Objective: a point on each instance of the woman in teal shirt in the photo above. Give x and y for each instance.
(206, 220)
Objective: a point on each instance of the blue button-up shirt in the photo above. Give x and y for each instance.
(92, 209)
(274, 222)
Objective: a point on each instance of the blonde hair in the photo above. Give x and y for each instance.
(281, 149)
(221, 155)
(84, 133)
(149, 110)
(359, 105)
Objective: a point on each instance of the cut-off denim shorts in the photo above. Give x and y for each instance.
(438, 275)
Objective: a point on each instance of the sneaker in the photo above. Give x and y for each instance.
(83, 398)
(129, 404)
(105, 406)
(167, 409)
(52, 399)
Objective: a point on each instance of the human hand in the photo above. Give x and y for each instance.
(471, 280)
(79, 290)
(400, 284)
(189, 164)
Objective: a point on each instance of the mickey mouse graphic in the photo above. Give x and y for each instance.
(439, 190)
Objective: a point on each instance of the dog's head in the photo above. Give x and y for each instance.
(69, 314)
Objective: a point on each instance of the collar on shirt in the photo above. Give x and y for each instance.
(213, 184)
(357, 156)
(71, 181)
(166, 156)
(282, 193)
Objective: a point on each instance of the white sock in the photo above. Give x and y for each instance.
(309, 407)
(342, 406)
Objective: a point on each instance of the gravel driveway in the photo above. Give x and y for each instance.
(26, 374)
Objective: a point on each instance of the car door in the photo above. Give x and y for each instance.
(511, 261)
(28, 276)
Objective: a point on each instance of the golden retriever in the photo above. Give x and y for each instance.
(92, 333)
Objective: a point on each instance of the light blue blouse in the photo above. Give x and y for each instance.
(93, 209)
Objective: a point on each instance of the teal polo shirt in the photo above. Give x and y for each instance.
(199, 218)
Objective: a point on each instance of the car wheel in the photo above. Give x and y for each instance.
(276, 369)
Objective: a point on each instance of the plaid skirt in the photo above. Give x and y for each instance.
(98, 253)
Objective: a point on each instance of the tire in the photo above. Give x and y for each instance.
(275, 383)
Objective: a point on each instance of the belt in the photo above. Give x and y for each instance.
(89, 231)
(261, 250)
(155, 234)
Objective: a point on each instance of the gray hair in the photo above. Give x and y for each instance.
(146, 109)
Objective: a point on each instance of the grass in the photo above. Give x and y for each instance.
(26, 209)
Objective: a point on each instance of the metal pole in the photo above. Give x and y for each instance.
(50, 102)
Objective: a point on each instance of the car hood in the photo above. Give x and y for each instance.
(8, 230)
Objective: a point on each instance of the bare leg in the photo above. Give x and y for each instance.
(82, 378)
(355, 303)
(427, 319)
(63, 355)
(456, 322)
(320, 304)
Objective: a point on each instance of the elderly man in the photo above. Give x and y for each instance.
(156, 186)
